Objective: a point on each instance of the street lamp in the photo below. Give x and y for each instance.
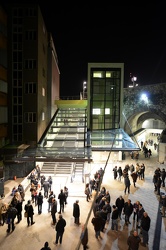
(84, 89)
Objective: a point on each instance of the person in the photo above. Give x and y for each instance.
(120, 173)
(40, 202)
(145, 226)
(97, 223)
(115, 170)
(46, 186)
(76, 212)
(50, 182)
(62, 199)
(141, 210)
(3, 213)
(66, 192)
(134, 177)
(11, 215)
(87, 192)
(114, 218)
(30, 212)
(46, 246)
(120, 205)
(84, 237)
(133, 241)
(135, 210)
(50, 198)
(128, 209)
(163, 176)
(53, 211)
(127, 184)
(60, 228)
(163, 207)
(109, 210)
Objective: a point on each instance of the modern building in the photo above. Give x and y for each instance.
(34, 74)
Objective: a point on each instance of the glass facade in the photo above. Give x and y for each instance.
(105, 86)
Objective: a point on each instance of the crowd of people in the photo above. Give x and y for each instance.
(105, 212)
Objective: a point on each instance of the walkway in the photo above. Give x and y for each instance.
(33, 237)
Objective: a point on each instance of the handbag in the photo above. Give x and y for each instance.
(25, 214)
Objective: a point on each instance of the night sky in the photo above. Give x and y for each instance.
(131, 34)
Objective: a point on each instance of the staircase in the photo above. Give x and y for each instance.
(57, 168)
(79, 171)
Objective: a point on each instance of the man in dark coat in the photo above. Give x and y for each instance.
(120, 205)
(39, 202)
(11, 215)
(76, 212)
(127, 184)
(133, 241)
(97, 223)
(62, 199)
(145, 226)
(30, 212)
(128, 209)
(53, 211)
(60, 228)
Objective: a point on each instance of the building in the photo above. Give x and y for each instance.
(34, 74)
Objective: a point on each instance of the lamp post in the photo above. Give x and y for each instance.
(134, 79)
(84, 89)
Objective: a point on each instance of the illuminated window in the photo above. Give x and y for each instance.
(43, 116)
(108, 74)
(96, 111)
(43, 91)
(97, 74)
(107, 111)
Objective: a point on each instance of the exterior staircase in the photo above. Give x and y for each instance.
(57, 168)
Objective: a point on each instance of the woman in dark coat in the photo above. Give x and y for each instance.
(76, 212)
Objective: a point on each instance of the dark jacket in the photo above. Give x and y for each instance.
(119, 203)
(97, 223)
(76, 210)
(29, 209)
(61, 197)
(40, 199)
(11, 212)
(133, 242)
(114, 215)
(145, 223)
(54, 207)
(128, 208)
(60, 226)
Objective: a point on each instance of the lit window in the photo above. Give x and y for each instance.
(107, 111)
(108, 74)
(96, 111)
(43, 116)
(97, 74)
(43, 91)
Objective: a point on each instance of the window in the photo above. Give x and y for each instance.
(30, 88)
(30, 64)
(30, 35)
(43, 116)
(30, 117)
(96, 111)
(43, 91)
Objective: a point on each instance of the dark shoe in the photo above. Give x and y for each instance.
(32, 223)
(13, 228)
(7, 231)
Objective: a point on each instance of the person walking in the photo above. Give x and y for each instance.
(128, 209)
(134, 177)
(84, 237)
(46, 246)
(97, 223)
(50, 198)
(114, 218)
(62, 199)
(11, 215)
(60, 228)
(115, 170)
(87, 192)
(133, 241)
(127, 184)
(120, 205)
(145, 226)
(120, 173)
(30, 212)
(135, 210)
(53, 211)
(141, 210)
(40, 202)
(76, 212)
(66, 192)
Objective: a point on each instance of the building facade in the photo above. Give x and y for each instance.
(34, 74)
